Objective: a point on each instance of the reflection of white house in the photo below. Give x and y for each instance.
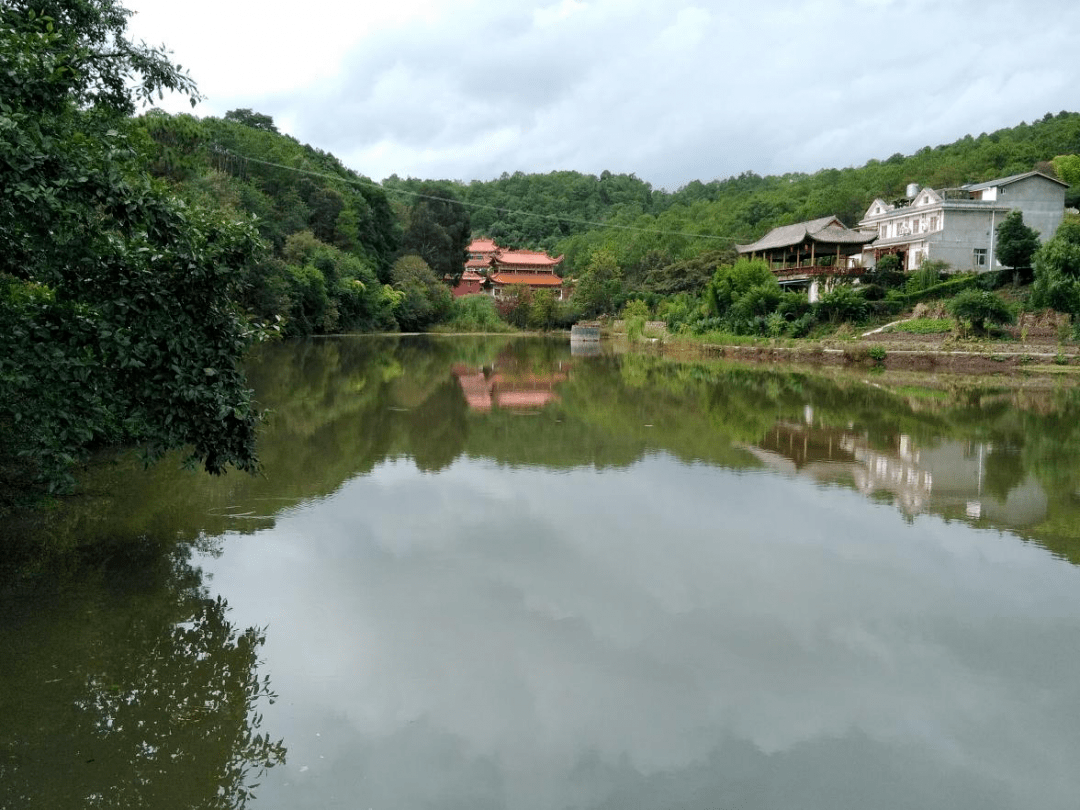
(948, 478)
(957, 225)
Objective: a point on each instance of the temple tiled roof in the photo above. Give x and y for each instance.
(482, 246)
(526, 258)
(827, 230)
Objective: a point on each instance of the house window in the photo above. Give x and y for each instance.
(980, 257)
(933, 223)
(884, 231)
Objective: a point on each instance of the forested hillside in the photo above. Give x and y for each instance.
(339, 244)
(649, 231)
(330, 235)
(315, 214)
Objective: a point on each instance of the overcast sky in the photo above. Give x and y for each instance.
(672, 91)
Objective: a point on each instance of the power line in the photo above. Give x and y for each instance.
(466, 204)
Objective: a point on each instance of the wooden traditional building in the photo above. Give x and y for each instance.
(800, 252)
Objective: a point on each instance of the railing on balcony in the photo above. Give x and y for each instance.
(792, 270)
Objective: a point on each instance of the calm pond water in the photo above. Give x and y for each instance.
(496, 573)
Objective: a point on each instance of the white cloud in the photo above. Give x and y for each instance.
(689, 90)
(548, 16)
(712, 616)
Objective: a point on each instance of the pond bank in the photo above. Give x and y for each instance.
(875, 354)
(893, 351)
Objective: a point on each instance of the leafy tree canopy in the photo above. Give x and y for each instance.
(248, 118)
(1057, 270)
(1016, 242)
(980, 308)
(116, 314)
(425, 300)
(438, 230)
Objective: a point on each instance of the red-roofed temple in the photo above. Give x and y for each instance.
(500, 269)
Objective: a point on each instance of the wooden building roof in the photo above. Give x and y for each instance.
(827, 230)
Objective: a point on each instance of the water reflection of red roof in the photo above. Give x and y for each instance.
(528, 380)
(475, 387)
(526, 390)
(524, 399)
(532, 279)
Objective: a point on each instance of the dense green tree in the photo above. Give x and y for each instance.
(251, 119)
(1067, 169)
(515, 305)
(332, 291)
(426, 299)
(889, 263)
(1016, 244)
(688, 275)
(980, 309)
(117, 320)
(842, 303)
(438, 231)
(475, 313)
(289, 187)
(600, 284)
(543, 310)
(731, 282)
(1057, 270)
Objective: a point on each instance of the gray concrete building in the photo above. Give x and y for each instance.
(957, 225)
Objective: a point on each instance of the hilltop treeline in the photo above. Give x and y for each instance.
(330, 235)
(651, 231)
(317, 215)
(334, 237)
(655, 241)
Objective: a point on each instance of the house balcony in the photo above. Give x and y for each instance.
(791, 271)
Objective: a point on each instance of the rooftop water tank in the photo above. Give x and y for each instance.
(912, 189)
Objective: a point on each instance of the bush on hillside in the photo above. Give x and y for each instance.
(928, 275)
(842, 304)
(425, 300)
(475, 313)
(980, 309)
(887, 273)
(1057, 270)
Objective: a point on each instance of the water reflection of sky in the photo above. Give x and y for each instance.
(662, 636)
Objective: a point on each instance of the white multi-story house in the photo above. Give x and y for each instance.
(957, 225)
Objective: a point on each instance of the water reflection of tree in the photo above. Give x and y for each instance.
(1004, 469)
(438, 429)
(123, 684)
(343, 406)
